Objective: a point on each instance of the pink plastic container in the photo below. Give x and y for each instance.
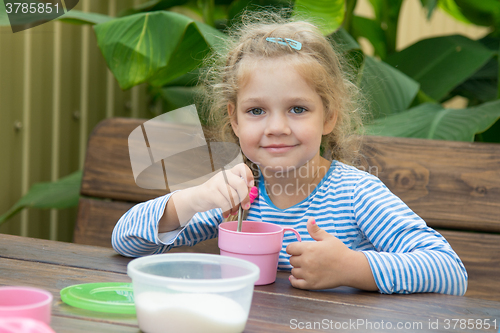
(23, 325)
(258, 242)
(25, 302)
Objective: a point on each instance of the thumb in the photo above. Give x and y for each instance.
(315, 231)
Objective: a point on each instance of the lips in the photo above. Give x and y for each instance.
(279, 148)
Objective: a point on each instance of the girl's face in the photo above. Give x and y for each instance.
(279, 116)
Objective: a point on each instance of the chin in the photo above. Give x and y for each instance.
(270, 168)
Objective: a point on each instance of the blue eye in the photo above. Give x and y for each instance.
(256, 111)
(298, 109)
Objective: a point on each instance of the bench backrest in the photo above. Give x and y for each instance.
(451, 185)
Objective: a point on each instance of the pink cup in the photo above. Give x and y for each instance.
(258, 242)
(23, 325)
(25, 302)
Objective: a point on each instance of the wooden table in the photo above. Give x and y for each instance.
(275, 308)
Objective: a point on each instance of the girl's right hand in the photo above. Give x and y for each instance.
(226, 190)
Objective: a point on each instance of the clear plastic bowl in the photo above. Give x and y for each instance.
(192, 292)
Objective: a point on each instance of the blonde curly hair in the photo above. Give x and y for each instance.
(319, 63)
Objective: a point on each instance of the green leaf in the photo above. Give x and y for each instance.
(78, 17)
(4, 18)
(481, 86)
(328, 14)
(485, 12)
(451, 8)
(371, 30)
(189, 79)
(442, 63)
(344, 40)
(239, 7)
(151, 6)
(154, 47)
(387, 15)
(178, 97)
(492, 134)
(430, 5)
(346, 44)
(60, 194)
(432, 121)
(387, 90)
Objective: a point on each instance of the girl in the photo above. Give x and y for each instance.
(281, 95)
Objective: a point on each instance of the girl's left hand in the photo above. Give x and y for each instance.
(327, 263)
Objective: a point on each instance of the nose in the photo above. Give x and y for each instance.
(277, 124)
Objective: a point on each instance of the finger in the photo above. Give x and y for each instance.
(232, 184)
(295, 249)
(315, 231)
(243, 171)
(298, 273)
(228, 194)
(298, 283)
(240, 185)
(223, 198)
(295, 261)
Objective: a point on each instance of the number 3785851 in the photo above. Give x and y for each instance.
(31, 8)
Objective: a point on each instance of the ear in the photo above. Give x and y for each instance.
(329, 124)
(231, 111)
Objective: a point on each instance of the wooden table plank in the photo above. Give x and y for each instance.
(56, 265)
(74, 325)
(271, 311)
(61, 253)
(477, 251)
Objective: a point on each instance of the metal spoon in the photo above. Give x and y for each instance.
(240, 219)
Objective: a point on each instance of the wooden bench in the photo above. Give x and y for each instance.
(453, 186)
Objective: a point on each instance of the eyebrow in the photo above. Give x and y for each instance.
(294, 100)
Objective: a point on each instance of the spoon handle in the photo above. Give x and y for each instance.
(240, 219)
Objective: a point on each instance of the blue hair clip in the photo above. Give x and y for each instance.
(287, 41)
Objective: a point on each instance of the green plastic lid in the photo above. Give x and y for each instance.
(112, 297)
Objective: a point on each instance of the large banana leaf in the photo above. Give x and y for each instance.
(432, 121)
(154, 47)
(346, 44)
(442, 63)
(151, 6)
(480, 12)
(63, 193)
(237, 8)
(386, 89)
(343, 40)
(328, 14)
(482, 86)
(4, 18)
(492, 134)
(387, 15)
(451, 8)
(178, 97)
(371, 30)
(78, 17)
(430, 5)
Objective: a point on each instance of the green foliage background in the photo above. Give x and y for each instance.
(163, 42)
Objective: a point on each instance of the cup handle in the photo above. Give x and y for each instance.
(294, 231)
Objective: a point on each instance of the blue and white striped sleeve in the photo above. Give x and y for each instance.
(410, 257)
(136, 232)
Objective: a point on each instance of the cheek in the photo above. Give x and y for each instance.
(311, 135)
(248, 140)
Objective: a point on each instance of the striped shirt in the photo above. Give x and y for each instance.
(404, 254)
